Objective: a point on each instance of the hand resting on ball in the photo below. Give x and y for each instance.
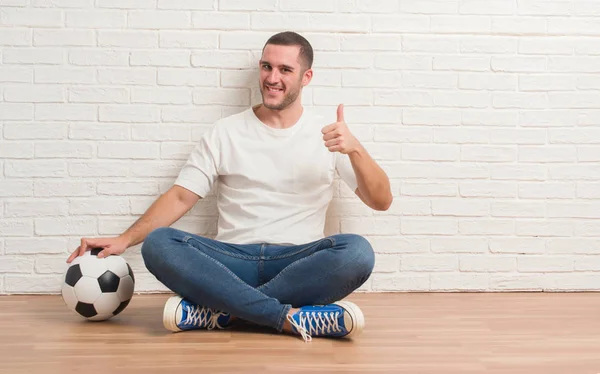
(111, 246)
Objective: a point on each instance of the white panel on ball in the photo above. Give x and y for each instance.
(125, 290)
(68, 294)
(93, 267)
(76, 260)
(117, 265)
(107, 303)
(87, 290)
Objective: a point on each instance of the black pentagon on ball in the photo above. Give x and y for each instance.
(73, 275)
(95, 251)
(86, 310)
(131, 273)
(121, 307)
(109, 282)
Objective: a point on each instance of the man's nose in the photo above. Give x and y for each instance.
(273, 77)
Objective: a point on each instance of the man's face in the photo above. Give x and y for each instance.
(281, 76)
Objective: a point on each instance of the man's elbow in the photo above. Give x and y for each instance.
(383, 204)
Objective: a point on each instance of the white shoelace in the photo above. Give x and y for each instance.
(318, 323)
(197, 315)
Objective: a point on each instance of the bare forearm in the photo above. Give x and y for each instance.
(167, 209)
(373, 183)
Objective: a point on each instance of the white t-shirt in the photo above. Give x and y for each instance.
(274, 184)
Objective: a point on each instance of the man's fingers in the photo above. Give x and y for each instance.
(80, 251)
(332, 142)
(331, 135)
(83, 247)
(335, 148)
(340, 113)
(102, 243)
(76, 253)
(329, 128)
(73, 255)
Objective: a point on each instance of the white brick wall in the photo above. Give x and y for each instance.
(485, 115)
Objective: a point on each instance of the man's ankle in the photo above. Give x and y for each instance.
(287, 326)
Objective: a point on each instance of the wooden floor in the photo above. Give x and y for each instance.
(405, 333)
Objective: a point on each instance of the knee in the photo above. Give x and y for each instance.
(361, 252)
(154, 243)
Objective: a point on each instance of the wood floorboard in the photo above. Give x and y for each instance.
(405, 333)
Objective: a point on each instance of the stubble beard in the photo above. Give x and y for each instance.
(288, 98)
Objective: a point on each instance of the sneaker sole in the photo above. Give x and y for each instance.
(358, 318)
(169, 313)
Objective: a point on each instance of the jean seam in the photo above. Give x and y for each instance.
(344, 289)
(304, 249)
(286, 270)
(187, 239)
(220, 264)
(306, 258)
(261, 264)
(284, 313)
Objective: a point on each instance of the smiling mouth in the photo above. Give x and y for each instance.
(273, 89)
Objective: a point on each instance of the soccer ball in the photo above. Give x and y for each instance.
(98, 288)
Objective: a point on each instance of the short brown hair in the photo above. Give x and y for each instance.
(291, 38)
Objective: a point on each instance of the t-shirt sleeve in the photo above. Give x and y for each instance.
(201, 170)
(345, 170)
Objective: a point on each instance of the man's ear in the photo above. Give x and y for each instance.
(307, 77)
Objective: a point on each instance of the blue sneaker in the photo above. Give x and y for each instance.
(181, 314)
(340, 319)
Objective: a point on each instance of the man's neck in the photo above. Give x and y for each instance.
(279, 119)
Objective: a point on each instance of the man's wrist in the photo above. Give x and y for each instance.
(126, 239)
(358, 150)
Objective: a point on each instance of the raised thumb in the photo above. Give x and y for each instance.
(340, 113)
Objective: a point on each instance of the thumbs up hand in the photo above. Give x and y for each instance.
(338, 137)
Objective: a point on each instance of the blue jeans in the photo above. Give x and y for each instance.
(258, 283)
